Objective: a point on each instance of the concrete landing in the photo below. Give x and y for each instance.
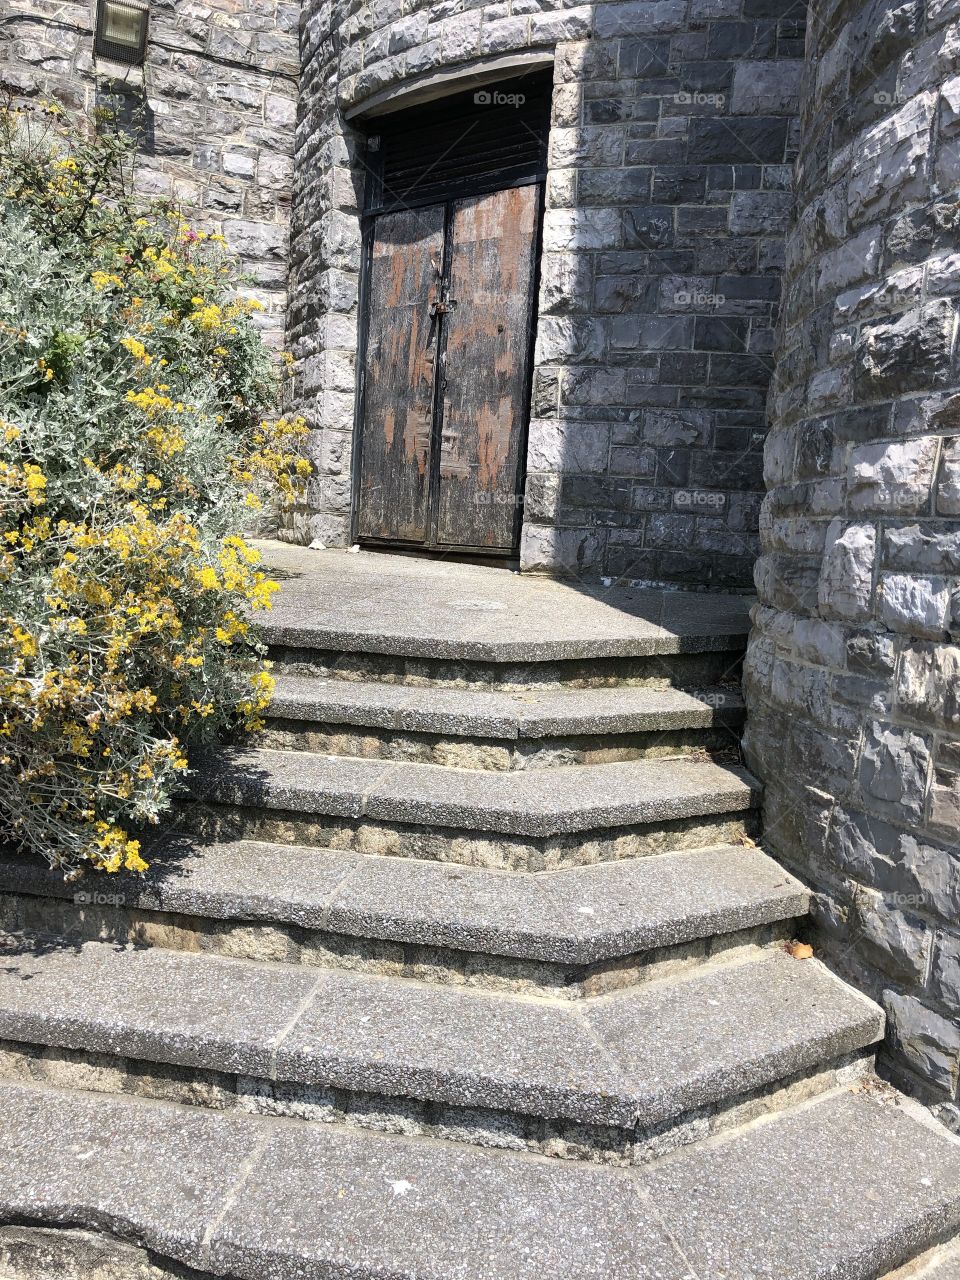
(380, 603)
(847, 1187)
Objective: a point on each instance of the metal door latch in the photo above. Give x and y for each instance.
(441, 308)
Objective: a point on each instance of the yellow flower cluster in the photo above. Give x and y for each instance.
(125, 594)
(137, 350)
(275, 460)
(207, 315)
(152, 400)
(117, 849)
(104, 279)
(26, 479)
(126, 590)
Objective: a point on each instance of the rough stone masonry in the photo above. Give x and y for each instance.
(673, 124)
(853, 668)
(213, 109)
(669, 209)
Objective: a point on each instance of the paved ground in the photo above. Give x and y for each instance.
(426, 606)
(364, 1031)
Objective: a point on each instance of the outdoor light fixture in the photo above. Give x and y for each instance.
(121, 33)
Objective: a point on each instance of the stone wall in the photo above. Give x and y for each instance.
(854, 663)
(668, 196)
(213, 109)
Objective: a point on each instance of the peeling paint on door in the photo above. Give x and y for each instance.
(447, 371)
(400, 376)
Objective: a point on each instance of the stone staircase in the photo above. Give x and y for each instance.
(471, 968)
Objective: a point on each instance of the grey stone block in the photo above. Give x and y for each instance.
(948, 483)
(845, 587)
(929, 681)
(850, 1186)
(900, 943)
(893, 476)
(929, 1042)
(743, 139)
(766, 88)
(909, 354)
(914, 604)
(893, 769)
(760, 212)
(729, 1009)
(946, 971)
(888, 164)
(919, 549)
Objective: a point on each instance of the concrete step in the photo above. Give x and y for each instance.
(490, 622)
(496, 729)
(574, 932)
(517, 820)
(632, 1060)
(846, 1186)
(457, 626)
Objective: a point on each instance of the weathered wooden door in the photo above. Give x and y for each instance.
(492, 240)
(400, 375)
(450, 299)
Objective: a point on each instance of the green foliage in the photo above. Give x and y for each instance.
(135, 443)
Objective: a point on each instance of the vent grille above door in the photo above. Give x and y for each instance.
(483, 140)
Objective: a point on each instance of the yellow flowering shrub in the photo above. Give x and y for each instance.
(137, 432)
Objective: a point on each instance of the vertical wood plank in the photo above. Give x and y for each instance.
(399, 371)
(487, 357)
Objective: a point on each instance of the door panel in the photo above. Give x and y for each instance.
(486, 367)
(400, 371)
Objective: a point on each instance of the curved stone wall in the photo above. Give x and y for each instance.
(854, 663)
(667, 200)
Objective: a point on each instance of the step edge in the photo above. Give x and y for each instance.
(480, 940)
(602, 946)
(778, 1064)
(266, 1060)
(503, 724)
(44, 1207)
(585, 946)
(326, 639)
(738, 792)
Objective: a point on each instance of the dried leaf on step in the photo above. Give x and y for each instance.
(800, 950)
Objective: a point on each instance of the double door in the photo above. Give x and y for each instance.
(446, 371)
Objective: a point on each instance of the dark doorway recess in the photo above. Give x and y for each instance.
(452, 228)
